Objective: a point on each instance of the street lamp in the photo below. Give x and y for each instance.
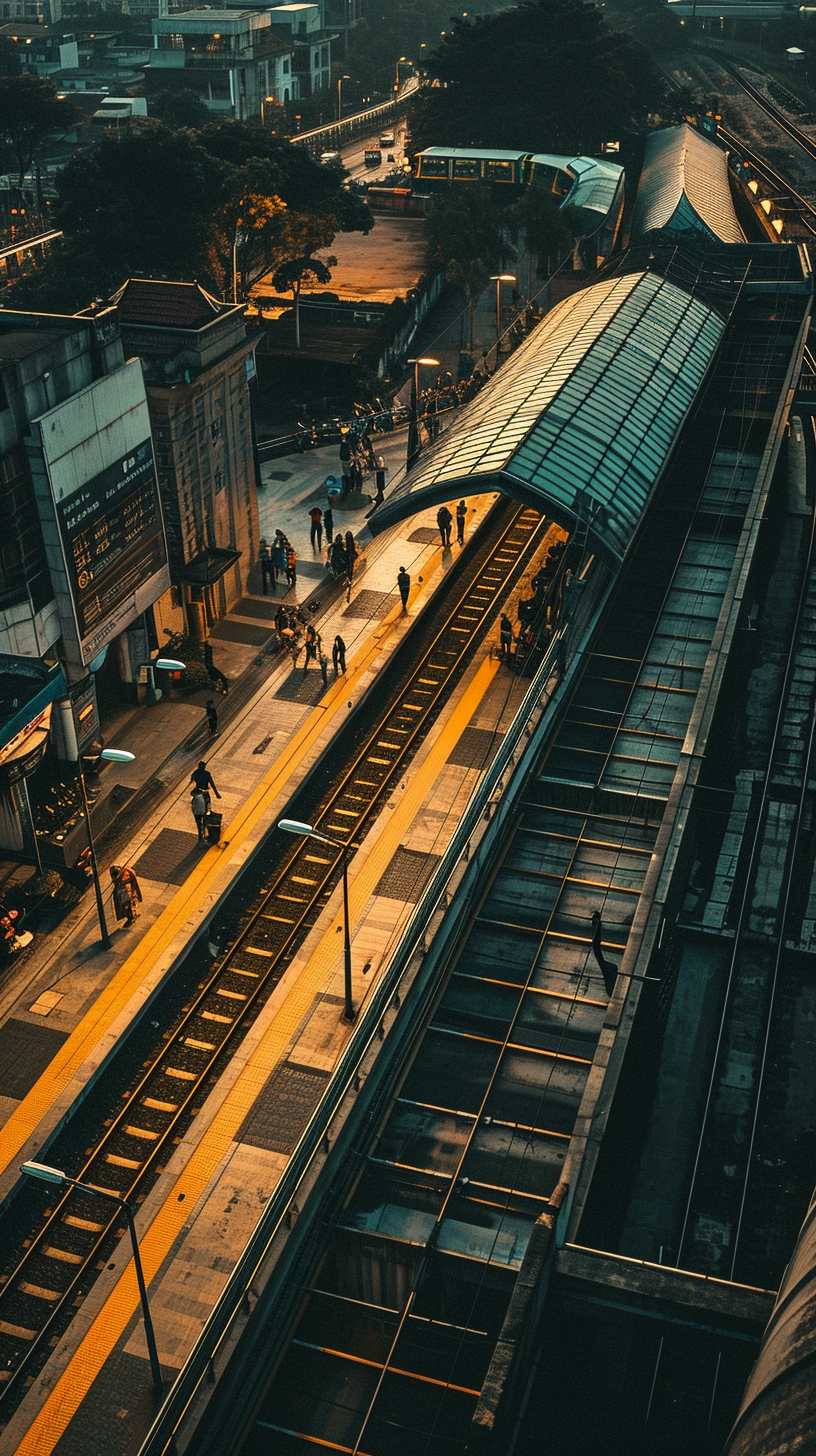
(112, 755)
(401, 60)
(416, 363)
(265, 100)
(294, 826)
(499, 279)
(55, 1175)
(340, 81)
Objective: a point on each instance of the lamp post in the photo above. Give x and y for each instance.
(400, 62)
(265, 100)
(294, 826)
(499, 279)
(55, 1175)
(112, 755)
(340, 81)
(431, 363)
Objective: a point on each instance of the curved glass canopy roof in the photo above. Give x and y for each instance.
(684, 187)
(581, 420)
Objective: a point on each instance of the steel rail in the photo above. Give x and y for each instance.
(175, 1078)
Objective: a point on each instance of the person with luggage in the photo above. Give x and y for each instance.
(202, 780)
(314, 645)
(200, 807)
(126, 893)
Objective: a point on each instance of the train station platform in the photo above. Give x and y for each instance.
(67, 1004)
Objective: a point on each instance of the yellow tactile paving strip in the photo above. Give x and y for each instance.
(111, 1002)
(74, 1384)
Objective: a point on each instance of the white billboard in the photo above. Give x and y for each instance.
(97, 490)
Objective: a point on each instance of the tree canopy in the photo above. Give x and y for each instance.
(29, 111)
(167, 203)
(546, 75)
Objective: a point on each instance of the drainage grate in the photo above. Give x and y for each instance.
(476, 748)
(170, 857)
(283, 1108)
(407, 875)
(369, 604)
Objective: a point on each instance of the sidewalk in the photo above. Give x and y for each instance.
(46, 990)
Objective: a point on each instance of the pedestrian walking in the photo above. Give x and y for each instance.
(328, 524)
(444, 521)
(351, 555)
(215, 674)
(212, 716)
(291, 563)
(324, 668)
(345, 451)
(313, 646)
(126, 893)
(461, 514)
(338, 556)
(505, 635)
(380, 479)
(279, 554)
(200, 810)
(316, 518)
(339, 656)
(404, 584)
(267, 570)
(202, 780)
(281, 621)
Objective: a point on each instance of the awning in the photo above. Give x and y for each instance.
(208, 566)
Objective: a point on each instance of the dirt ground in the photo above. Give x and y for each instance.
(381, 266)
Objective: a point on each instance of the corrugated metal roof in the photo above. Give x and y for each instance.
(684, 187)
(582, 419)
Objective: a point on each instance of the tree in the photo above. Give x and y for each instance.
(546, 75)
(549, 230)
(182, 108)
(143, 202)
(29, 111)
(291, 275)
(247, 229)
(9, 59)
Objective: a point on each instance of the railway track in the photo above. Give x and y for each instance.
(53, 1273)
(735, 1139)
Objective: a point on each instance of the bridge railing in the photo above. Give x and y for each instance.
(337, 134)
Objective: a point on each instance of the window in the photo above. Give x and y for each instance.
(467, 169)
(499, 171)
(215, 429)
(286, 68)
(219, 480)
(434, 166)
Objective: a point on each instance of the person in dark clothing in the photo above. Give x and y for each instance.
(356, 475)
(444, 521)
(404, 584)
(291, 563)
(351, 555)
(215, 673)
(328, 523)
(267, 571)
(339, 656)
(339, 562)
(380, 478)
(281, 621)
(316, 518)
(506, 635)
(461, 515)
(202, 779)
(212, 716)
(345, 452)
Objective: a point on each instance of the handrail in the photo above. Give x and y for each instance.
(232, 1298)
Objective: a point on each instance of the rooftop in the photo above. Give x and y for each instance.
(684, 187)
(582, 419)
(160, 304)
